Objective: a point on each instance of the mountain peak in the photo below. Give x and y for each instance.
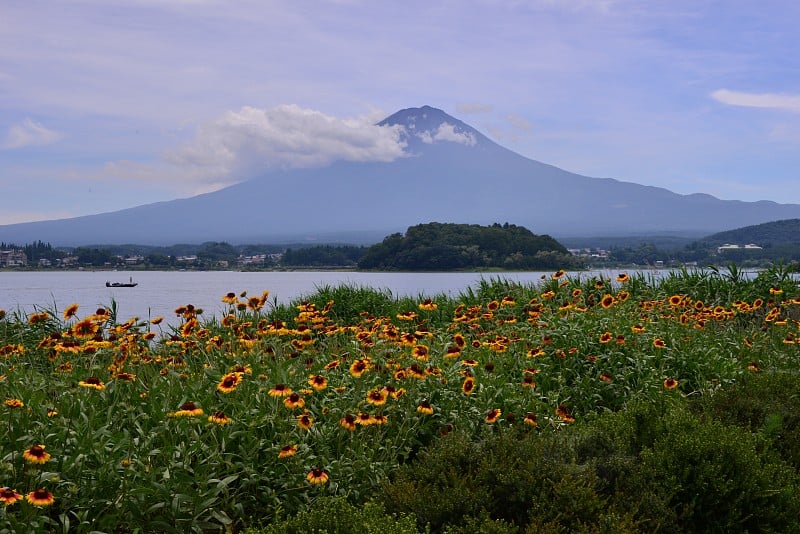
(427, 125)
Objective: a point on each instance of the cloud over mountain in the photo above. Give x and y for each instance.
(252, 140)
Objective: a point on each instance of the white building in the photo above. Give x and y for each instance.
(13, 258)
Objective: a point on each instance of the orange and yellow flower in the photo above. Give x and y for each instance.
(287, 451)
(428, 305)
(36, 454)
(530, 419)
(425, 408)
(9, 496)
(294, 401)
(493, 415)
(562, 412)
(40, 497)
(305, 421)
(359, 367)
(14, 403)
(229, 382)
(348, 422)
(468, 386)
(219, 418)
(280, 390)
(317, 476)
(92, 382)
(187, 409)
(377, 397)
(70, 311)
(318, 382)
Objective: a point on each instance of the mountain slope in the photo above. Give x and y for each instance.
(452, 173)
(784, 232)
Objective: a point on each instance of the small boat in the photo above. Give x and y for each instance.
(131, 283)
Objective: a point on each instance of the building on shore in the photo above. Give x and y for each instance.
(13, 258)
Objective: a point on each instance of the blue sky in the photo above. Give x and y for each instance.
(108, 104)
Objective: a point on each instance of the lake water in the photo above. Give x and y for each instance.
(159, 293)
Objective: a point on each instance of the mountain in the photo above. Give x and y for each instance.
(451, 173)
(784, 232)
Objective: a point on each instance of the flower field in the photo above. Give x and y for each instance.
(228, 424)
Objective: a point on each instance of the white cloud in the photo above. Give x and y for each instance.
(758, 100)
(447, 132)
(29, 133)
(243, 143)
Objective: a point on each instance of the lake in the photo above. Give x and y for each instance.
(158, 293)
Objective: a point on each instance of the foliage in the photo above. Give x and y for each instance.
(765, 403)
(323, 256)
(93, 256)
(400, 400)
(654, 467)
(782, 232)
(334, 515)
(440, 246)
(217, 251)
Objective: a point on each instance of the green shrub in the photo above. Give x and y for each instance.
(716, 479)
(768, 403)
(334, 515)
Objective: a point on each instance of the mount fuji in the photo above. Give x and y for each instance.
(450, 172)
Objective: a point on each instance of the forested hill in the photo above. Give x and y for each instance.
(783, 232)
(447, 246)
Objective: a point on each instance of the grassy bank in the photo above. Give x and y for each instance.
(598, 405)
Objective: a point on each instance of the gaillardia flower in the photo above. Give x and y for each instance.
(36, 454)
(377, 397)
(348, 422)
(70, 311)
(425, 408)
(304, 421)
(40, 497)
(428, 305)
(530, 419)
(493, 415)
(92, 382)
(294, 401)
(9, 496)
(229, 382)
(317, 476)
(280, 390)
(318, 382)
(14, 403)
(358, 367)
(287, 451)
(219, 418)
(563, 413)
(188, 409)
(670, 383)
(468, 386)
